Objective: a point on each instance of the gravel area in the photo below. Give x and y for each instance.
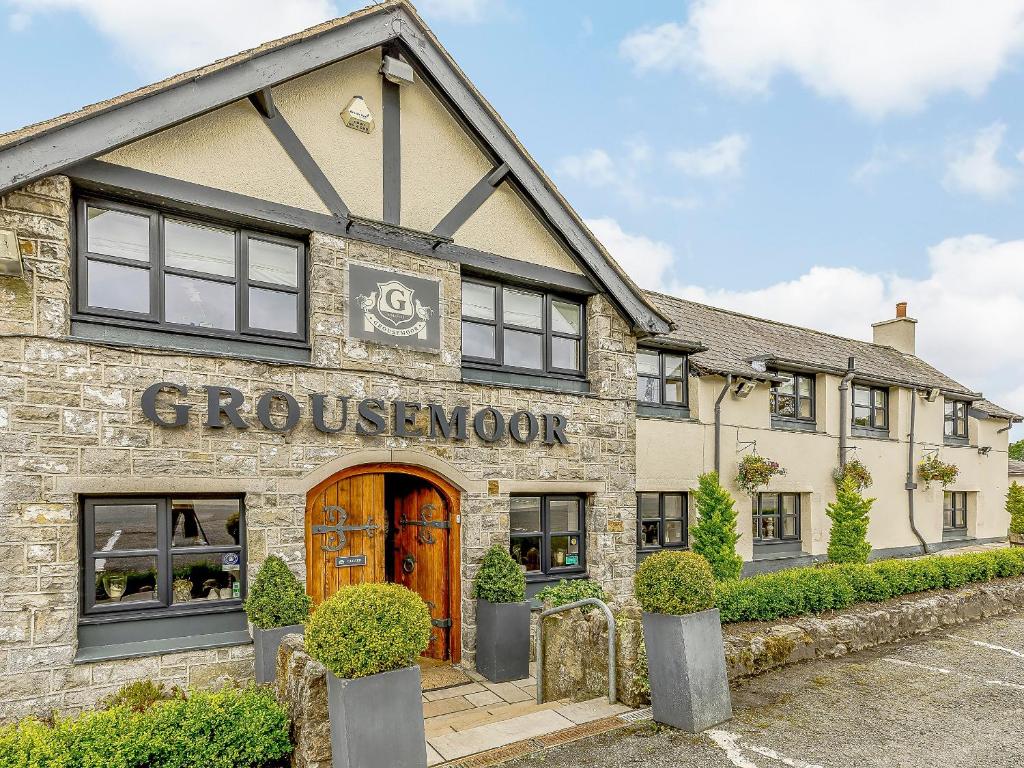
(951, 699)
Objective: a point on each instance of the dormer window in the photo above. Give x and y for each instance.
(955, 420)
(661, 377)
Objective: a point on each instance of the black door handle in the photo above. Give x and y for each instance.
(408, 564)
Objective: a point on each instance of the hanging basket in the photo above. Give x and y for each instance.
(857, 471)
(932, 469)
(756, 472)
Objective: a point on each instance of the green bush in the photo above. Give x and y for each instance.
(800, 591)
(500, 578)
(675, 583)
(368, 628)
(714, 535)
(276, 597)
(848, 539)
(1015, 506)
(569, 591)
(141, 695)
(232, 728)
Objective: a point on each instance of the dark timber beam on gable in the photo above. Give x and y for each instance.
(468, 205)
(263, 101)
(391, 98)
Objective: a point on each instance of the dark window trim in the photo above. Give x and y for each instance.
(157, 270)
(959, 433)
(548, 572)
(958, 512)
(90, 613)
(545, 331)
(667, 412)
(797, 425)
(660, 519)
(758, 515)
(663, 379)
(873, 427)
(796, 378)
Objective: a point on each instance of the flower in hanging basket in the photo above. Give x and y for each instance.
(857, 471)
(932, 469)
(756, 471)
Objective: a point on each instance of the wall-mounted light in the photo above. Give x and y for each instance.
(396, 71)
(357, 115)
(984, 450)
(743, 388)
(10, 254)
(933, 395)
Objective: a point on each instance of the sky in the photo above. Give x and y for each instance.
(811, 161)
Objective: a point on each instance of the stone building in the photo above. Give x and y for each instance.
(316, 300)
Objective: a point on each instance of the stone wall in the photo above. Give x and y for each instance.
(71, 424)
(302, 689)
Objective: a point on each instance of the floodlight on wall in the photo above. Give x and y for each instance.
(743, 388)
(396, 71)
(933, 394)
(357, 115)
(10, 254)
(984, 450)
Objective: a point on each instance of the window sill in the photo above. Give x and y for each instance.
(956, 442)
(542, 382)
(868, 432)
(793, 425)
(158, 647)
(668, 412)
(120, 638)
(956, 534)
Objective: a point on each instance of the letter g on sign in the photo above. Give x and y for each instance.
(149, 404)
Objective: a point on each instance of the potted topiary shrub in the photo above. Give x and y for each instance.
(683, 637)
(277, 605)
(1015, 506)
(502, 618)
(369, 636)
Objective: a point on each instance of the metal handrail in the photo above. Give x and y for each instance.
(611, 643)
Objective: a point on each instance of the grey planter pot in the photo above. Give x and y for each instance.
(686, 667)
(503, 640)
(377, 721)
(265, 643)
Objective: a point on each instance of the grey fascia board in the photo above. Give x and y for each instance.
(673, 345)
(50, 152)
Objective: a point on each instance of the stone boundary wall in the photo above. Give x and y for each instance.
(302, 689)
(576, 645)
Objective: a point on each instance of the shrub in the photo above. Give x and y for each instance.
(869, 586)
(227, 729)
(755, 471)
(714, 536)
(675, 583)
(1015, 506)
(569, 591)
(367, 629)
(500, 579)
(276, 597)
(141, 695)
(848, 539)
(855, 469)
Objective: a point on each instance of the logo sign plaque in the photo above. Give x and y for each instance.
(392, 308)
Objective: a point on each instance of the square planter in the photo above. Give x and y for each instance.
(377, 721)
(503, 640)
(265, 643)
(686, 667)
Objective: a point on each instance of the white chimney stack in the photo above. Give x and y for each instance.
(898, 333)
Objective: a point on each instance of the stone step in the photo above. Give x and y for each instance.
(493, 735)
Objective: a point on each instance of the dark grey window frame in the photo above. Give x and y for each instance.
(545, 332)
(662, 495)
(949, 416)
(663, 379)
(548, 572)
(957, 524)
(163, 552)
(758, 515)
(873, 427)
(152, 320)
(799, 421)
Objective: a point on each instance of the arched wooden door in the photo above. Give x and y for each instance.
(394, 523)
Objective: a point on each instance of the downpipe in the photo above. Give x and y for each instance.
(718, 425)
(911, 485)
(844, 424)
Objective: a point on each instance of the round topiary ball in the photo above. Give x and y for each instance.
(675, 583)
(500, 579)
(367, 629)
(276, 597)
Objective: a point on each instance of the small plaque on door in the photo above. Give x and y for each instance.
(350, 561)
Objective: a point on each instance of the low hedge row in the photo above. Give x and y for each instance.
(816, 589)
(226, 729)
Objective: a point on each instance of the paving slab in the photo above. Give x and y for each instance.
(432, 757)
(588, 711)
(447, 706)
(493, 735)
(484, 698)
(458, 690)
(509, 692)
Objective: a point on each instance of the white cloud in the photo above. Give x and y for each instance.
(975, 168)
(625, 175)
(646, 260)
(879, 56)
(19, 21)
(882, 160)
(721, 158)
(593, 167)
(463, 11)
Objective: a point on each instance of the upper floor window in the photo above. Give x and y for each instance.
(661, 377)
(661, 520)
(547, 535)
(158, 270)
(793, 397)
(870, 407)
(521, 329)
(153, 554)
(955, 421)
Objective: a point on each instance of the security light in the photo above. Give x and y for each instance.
(744, 387)
(357, 115)
(396, 71)
(933, 394)
(10, 254)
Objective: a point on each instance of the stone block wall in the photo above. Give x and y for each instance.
(71, 424)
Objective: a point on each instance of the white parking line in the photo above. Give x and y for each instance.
(941, 671)
(733, 748)
(990, 646)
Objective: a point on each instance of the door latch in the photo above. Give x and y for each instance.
(408, 564)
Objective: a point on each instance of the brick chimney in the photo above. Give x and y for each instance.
(897, 333)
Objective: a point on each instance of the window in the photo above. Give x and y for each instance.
(870, 407)
(776, 516)
(149, 269)
(955, 424)
(547, 535)
(661, 520)
(521, 329)
(793, 398)
(661, 377)
(158, 553)
(954, 510)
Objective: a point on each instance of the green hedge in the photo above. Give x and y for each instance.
(226, 729)
(569, 591)
(800, 591)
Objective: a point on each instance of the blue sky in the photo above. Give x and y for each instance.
(812, 162)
